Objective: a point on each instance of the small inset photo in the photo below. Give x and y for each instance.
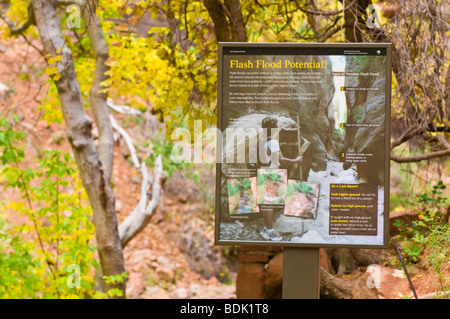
(242, 195)
(272, 186)
(301, 199)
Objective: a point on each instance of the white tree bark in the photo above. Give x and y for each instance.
(143, 212)
(128, 141)
(97, 98)
(78, 130)
(122, 108)
(95, 164)
(141, 215)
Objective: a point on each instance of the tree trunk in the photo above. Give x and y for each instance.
(228, 20)
(78, 129)
(237, 24)
(354, 20)
(219, 18)
(336, 288)
(347, 260)
(98, 99)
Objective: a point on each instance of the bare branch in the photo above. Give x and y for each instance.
(124, 109)
(419, 158)
(319, 12)
(443, 141)
(418, 131)
(408, 134)
(442, 128)
(128, 141)
(330, 32)
(32, 45)
(141, 215)
(19, 30)
(80, 3)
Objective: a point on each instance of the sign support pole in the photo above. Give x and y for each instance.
(301, 273)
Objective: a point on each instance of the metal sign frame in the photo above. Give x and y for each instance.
(303, 57)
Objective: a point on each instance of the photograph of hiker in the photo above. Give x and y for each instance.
(272, 146)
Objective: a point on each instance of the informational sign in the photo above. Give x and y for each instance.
(303, 149)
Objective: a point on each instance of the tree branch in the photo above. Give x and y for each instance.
(419, 158)
(128, 141)
(238, 32)
(32, 45)
(225, 9)
(80, 3)
(98, 98)
(319, 12)
(330, 32)
(19, 30)
(78, 128)
(122, 108)
(430, 138)
(409, 133)
(442, 128)
(143, 212)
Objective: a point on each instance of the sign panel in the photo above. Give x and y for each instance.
(303, 150)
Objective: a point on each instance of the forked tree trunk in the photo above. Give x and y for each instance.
(228, 20)
(97, 97)
(354, 20)
(78, 129)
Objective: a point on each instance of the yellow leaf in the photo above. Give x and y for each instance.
(129, 10)
(417, 277)
(17, 206)
(106, 83)
(54, 59)
(57, 77)
(51, 71)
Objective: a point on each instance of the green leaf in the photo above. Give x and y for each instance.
(115, 292)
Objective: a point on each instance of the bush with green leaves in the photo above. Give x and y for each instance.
(240, 186)
(271, 176)
(428, 238)
(37, 256)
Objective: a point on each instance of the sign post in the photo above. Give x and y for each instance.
(302, 272)
(325, 187)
